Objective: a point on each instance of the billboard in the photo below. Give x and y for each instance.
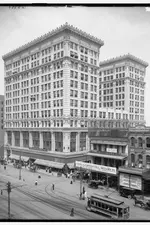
(124, 180)
(112, 150)
(96, 168)
(135, 182)
(131, 181)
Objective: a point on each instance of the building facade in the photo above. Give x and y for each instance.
(122, 86)
(2, 126)
(139, 147)
(52, 94)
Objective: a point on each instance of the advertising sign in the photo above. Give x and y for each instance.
(113, 150)
(135, 182)
(95, 167)
(124, 180)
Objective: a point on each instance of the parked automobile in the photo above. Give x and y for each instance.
(93, 184)
(128, 192)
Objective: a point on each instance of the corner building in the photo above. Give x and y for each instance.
(122, 86)
(52, 93)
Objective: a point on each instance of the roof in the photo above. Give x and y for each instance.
(120, 58)
(113, 202)
(107, 156)
(52, 33)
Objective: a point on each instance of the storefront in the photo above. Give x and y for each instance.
(107, 175)
(134, 178)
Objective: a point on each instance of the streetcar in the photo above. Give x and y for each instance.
(109, 207)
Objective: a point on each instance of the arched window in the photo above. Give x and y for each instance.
(132, 159)
(132, 141)
(140, 142)
(148, 142)
(148, 161)
(140, 160)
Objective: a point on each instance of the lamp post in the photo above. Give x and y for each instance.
(80, 184)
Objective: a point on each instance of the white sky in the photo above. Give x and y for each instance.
(123, 30)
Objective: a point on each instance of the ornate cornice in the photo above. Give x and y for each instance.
(66, 26)
(120, 58)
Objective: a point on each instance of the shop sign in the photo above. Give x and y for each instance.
(113, 150)
(135, 182)
(124, 180)
(95, 167)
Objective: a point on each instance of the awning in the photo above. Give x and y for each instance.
(57, 165)
(47, 163)
(107, 156)
(24, 158)
(71, 165)
(108, 142)
(17, 157)
(41, 162)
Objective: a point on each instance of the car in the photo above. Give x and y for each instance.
(93, 184)
(128, 192)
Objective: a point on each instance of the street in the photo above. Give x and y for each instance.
(40, 202)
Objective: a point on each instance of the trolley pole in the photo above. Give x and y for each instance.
(8, 190)
(20, 166)
(80, 184)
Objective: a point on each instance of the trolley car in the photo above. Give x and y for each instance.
(109, 207)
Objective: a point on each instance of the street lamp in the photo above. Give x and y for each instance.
(80, 184)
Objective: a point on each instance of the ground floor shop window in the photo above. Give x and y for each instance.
(47, 140)
(17, 138)
(25, 139)
(9, 133)
(73, 141)
(58, 141)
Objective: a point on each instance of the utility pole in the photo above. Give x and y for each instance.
(8, 190)
(20, 166)
(80, 184)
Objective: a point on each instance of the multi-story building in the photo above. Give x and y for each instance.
(2, 126)
(122, 86)
(52, 92)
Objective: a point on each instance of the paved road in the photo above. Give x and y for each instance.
(40, 202)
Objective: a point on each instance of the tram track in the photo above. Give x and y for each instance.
(55, 201)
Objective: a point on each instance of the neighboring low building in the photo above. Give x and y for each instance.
(136, 174)
(109, 148)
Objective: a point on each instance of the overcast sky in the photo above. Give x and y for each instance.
(123, 30)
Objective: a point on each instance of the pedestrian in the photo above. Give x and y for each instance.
(83, 189)
(85, 194)
(39, 176)
(1, 192)
(36, 182)
(53, 187)
(4, 167)
(72, 212)
(71, 182)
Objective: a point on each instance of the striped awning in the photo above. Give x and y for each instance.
(47, 163)
(71, 165)
(17, 157)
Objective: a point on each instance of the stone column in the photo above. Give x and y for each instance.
(30, 140)
(53, 141)
(13, 139)
(21, 139)
(87, 142)
(66, 141)
(6, 138)
(41, 140)
(77, 141)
